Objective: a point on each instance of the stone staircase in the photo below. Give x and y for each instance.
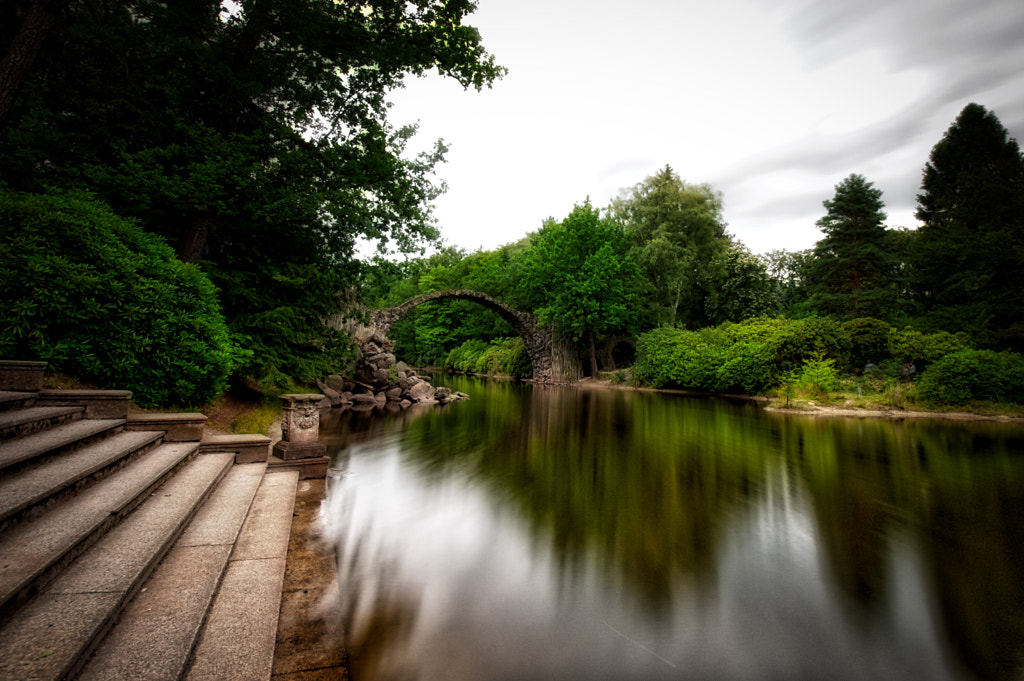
(125, 551)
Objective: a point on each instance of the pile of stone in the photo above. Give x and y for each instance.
(379, 379)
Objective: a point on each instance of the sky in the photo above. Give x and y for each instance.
(771, 102)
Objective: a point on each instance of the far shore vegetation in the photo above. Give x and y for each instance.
(183, 230)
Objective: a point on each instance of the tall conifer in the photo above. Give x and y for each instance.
(969, 254)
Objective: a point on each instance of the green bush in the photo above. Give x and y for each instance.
(923, 349)
(961, 377)
(503, 357)
(96, 297)
(869, 341)
(749, 357)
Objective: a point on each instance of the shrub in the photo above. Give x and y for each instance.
(925, 348)
(960, 377)
(869, 341)
(504, 356)
(749, 356)
(96, 297)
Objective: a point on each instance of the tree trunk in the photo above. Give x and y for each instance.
(16, 63)
(593, 355)
(194, 240)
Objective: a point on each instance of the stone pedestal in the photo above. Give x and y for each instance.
(300, 430)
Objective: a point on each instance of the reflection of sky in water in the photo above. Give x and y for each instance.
(463, 591)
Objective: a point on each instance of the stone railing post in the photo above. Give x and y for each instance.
(300, 428)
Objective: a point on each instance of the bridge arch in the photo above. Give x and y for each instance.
(552, 360)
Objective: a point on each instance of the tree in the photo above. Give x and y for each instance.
(743, 290)
(32, 23)
(678, 233)
(969, 255)
(580, 276)
(254, 139)
(852, 270)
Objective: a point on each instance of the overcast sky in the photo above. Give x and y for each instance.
(772, 102)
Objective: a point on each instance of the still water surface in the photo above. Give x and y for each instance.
(558, 533)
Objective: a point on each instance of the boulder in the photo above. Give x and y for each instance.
(401, 367)
(336, 382)
(364, 399)
(442, 393)
(420, 392)
(381, 359)
(362, 334)
(332, 395)
(394, 395)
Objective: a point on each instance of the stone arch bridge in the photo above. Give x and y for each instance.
(553, 360)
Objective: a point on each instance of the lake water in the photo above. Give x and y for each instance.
(559, 533)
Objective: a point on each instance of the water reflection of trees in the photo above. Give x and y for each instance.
(647, 485)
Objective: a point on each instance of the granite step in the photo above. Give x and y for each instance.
(237, 641)
(18, 423)
(65, 438)
(52, 636)
(16, 399)
(157, 632)
(26, 493)
(34, 553)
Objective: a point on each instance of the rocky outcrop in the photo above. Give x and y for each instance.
(379, 378)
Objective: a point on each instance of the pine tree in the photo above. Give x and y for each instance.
(851, 271)
(969, 254)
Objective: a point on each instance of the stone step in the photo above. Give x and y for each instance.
(156, 633)
(26, 493)
(56, 441)
(20, 375)
(99, 404)
(177, 427)
(21, 422)
(247, 447)
(53, 635)
(10, 399)
(238, 639)
(34, 553)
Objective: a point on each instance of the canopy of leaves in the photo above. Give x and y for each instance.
(252, 136)
(678, 234)
(579, 274)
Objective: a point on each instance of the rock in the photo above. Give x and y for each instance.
(336, 382)
(405, 404)
(394, 395)
(406, 383)
(364, 399)
(442, 393)
(421, 392)
(346, 396)
(382, 377)
(401, 367)
(381, 359)
(382, 398)
(378, 337)
(362, 334)
(332, 395)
